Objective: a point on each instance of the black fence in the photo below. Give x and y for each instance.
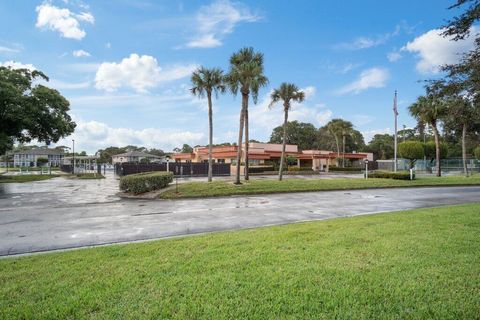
(178, 169)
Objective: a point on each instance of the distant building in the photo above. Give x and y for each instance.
(262, 153)
(29, 158)
(136, 157)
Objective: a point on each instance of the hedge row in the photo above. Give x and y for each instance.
(400, 175)
(145, 182)
(349, 169)
(260, 169)
(295, 168)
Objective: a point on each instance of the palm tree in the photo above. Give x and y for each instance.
(340, 127)
(208, 81)
(287, 92)
(245, 75)
(430, 109)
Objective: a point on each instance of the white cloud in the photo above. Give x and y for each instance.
(323, 117)
(108, 45)
(93, 135)
(434, 50)
(264, 119)
(80, 53)
(369, 134)
(373, 41)
(309, 91)
(8, 50)
(370, 78)
(62, 20)
(217, 20)
(362, 119)
(394, 56)
(137, 72)
(18, 65)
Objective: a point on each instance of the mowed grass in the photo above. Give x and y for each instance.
(20, 178)
(256, 186)
(422, 264)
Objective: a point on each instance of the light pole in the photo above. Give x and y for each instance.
(73, 156)
(404, 128)
(366, 168)
(168, 162)
(343, 156)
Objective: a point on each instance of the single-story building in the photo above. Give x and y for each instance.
(136, 157)
(29, 158)
(260, 153)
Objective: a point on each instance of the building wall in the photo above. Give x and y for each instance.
(30, 160)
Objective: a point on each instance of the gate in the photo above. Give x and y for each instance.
(178, 169)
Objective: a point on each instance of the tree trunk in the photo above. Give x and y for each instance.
(247, 177)
(210, 136)
(437, 149)
(239, 146)
(284, 142)
(464, 149)
(336, 142)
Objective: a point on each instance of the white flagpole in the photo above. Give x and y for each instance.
(395, 111)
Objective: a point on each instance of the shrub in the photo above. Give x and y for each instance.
(295, 168)
(400, 175)
(476, 152)
(144, 182)
(42, 161)
(349, 169)
(411, 150)
(260, 169)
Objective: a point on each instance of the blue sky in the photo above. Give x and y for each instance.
(125, 65)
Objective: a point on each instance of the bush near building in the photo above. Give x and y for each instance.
(400, 175)
(346, 169)
(145, 182)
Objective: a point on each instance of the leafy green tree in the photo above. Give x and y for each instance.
(382, 146)
(431, 148)
(300, 133)
(430, 109)
(476, 152)
(41, 162)
(205, 82)
(156, 152)
(411, 150)
(186, 149)
(245, 75)
(459, 27)
(29, 110)
(287, 93)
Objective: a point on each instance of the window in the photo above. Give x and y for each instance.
(221, 160)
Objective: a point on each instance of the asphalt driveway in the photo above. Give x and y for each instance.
(32, 220)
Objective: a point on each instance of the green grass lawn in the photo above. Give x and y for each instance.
(20, 178)
(421, 264)
(255, 186)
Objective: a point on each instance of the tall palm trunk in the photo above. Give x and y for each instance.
(284, 142)
(437, 149)
(337, 143)
(464, 149)
(240, 136)
(210, 135)
(247, 177)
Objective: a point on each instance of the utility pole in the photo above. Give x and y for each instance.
(343, 156)
(395, 112)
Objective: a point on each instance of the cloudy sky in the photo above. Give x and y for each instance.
(125, 65)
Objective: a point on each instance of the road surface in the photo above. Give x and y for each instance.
(28, 224)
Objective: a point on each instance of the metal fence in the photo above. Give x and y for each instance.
(178, 169)
(447, 165)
